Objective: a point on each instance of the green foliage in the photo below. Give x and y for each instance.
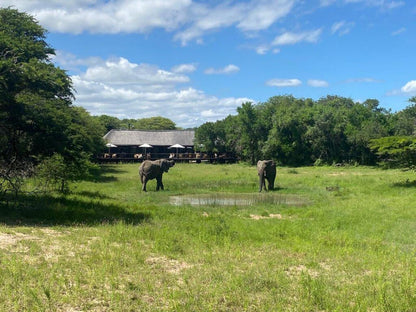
(55, 172)
(286, 140)
(303, 132)
(210, 137)
(108, 122)
(396, 151)
(250, 135)
(405, 120)
(154, 123)
(38, 119)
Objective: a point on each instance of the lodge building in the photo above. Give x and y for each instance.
(138, 145)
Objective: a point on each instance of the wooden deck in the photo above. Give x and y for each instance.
(185, 158)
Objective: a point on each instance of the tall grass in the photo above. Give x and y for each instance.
(107, 246)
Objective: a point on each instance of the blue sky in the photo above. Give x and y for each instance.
(197, 61)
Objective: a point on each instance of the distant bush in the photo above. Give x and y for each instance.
(55, 172)
(395, 151)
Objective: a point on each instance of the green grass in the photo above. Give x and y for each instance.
(348, 244)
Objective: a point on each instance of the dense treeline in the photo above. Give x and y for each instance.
(43, 134)
(304, 132)
(152, 123)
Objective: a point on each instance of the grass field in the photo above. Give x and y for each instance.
(328, 239)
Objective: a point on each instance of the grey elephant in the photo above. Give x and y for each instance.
(266, 170)
(154, 170)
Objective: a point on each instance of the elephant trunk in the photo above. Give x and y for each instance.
(261, 180)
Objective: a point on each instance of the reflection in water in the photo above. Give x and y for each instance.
(237, 199)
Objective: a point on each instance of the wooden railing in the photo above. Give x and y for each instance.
(177, 157)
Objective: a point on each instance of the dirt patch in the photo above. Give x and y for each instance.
(44, 240)
(336, 174)
(8, 241)
(298, 270)
(270, 216)
(169, 265)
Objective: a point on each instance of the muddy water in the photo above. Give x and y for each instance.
(237, 199)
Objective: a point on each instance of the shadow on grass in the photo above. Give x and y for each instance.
(104, 173)
(406, 183)
(46, 210)
(89, 194)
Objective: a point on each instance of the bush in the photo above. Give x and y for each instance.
(395, 151)
(12, 175)
(55, 172)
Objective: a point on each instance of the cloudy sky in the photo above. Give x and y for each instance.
(196, 61)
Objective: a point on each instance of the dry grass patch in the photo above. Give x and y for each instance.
(51, 248)
(168, 265)
(270, 216)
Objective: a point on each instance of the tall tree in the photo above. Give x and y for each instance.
(108, 122)
(37, 117)
(155, 123)
(249, 135)
(34, 92)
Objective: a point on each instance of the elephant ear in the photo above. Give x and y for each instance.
(164, 165)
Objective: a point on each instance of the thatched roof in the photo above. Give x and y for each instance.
(155, 138)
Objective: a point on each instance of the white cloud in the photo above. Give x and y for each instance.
(229, 69)
(409, 88)
(318, 83)
(283, 83)
(327, 2)
(119, 71)
(362, 80)
(384, 4)
(342, 28)
(69, 61)
(394, 4)
(262, 50)
(398, 31)
(289, 38)
(262, 14)
(189, 20)
(251, 16)
(184, 68)
(121, 88)
(107, 16)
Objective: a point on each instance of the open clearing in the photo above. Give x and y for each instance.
(328, 239)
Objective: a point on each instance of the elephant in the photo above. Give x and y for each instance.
(266, 170)
(154, 170)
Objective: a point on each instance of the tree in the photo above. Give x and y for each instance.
(405, 121)
(32, 90)
(38, 119)
(249, 135)
(205, 137)
(395, 151)
(286, 140)
(108, 122)
(210, 137)
(155, 123)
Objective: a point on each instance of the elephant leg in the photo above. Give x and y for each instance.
(270, 182)
(159, 183)
(144, 182)
(262, 184)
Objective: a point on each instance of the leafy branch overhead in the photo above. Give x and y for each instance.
(38, 119)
